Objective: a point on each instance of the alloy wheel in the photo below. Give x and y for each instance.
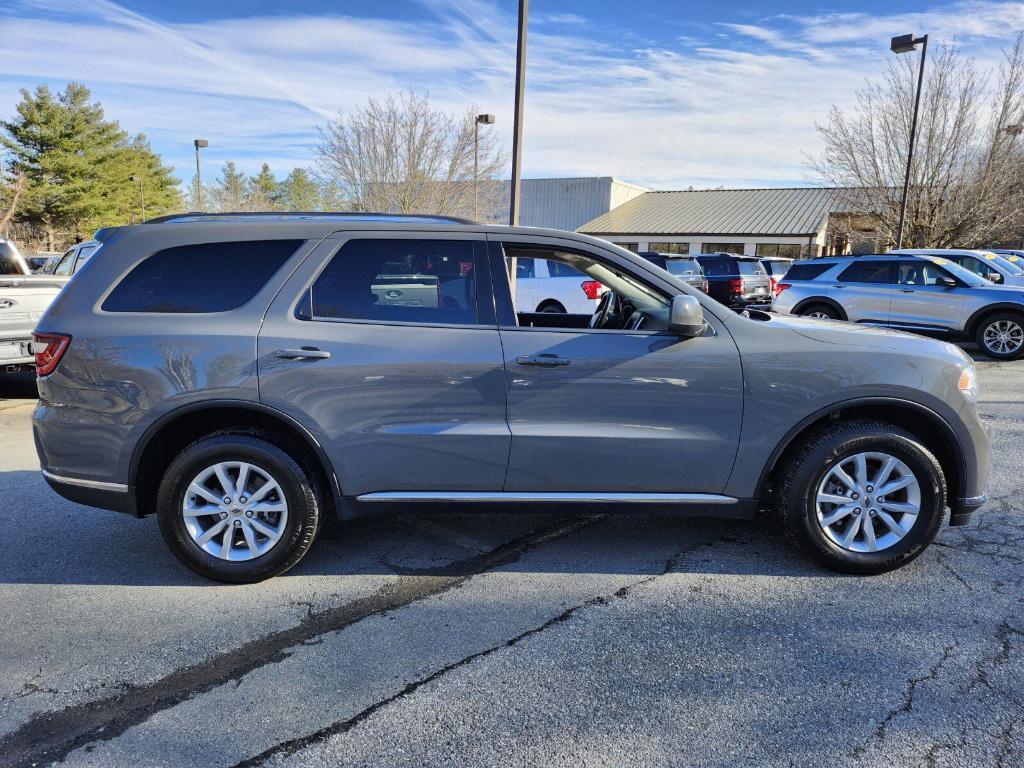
(868, 502)
(1003, 337)
(235, 511)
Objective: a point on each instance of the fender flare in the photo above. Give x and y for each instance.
(242, 405)
(822, 413)
(820, 300)
(971, 326)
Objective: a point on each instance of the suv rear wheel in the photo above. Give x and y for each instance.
(551, 307)
(821, 311)
(1002, 336)
(863, 497)
(236, 508)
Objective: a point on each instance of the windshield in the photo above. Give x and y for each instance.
(961, 273)
(683, 267)
(1013, 268)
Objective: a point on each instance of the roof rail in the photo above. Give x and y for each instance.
(328, 215)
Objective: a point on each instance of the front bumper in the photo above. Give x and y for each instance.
(961, 511)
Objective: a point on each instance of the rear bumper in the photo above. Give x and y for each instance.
(92, 493)
(25, 357)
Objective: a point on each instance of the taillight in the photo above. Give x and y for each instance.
(775, 285)
(593, 289)
(781, 287)
(48, 357)
(736, 285)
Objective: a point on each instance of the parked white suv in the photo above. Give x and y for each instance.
(553, 286)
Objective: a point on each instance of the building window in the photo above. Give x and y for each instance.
(781, 250)
(677, 248)
(634, 247)
(733, 248)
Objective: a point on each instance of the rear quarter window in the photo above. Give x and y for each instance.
(806, 271)
(204, 277)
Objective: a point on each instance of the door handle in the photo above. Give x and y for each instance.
(838, 286)
(906, 290)
(309, 353)
(543, 360)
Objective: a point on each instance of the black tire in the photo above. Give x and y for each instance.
(551, 307)
(299, 491)
(820, 309)
(805, 469)
(1015, 321)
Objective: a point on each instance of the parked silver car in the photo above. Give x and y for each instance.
(284, 384)
(924, 294)
(985, 264)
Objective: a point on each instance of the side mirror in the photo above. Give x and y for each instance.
(995, 277)
(685, 316)
(947, 282)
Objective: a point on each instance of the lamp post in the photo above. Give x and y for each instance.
(517, 123)
(480, 120)
(142, 195)
(199, 179)
(908, 44)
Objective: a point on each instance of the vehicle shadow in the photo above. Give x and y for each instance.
(54, 541)
(19, 386)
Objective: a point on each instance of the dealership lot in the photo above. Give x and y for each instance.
(512, 639)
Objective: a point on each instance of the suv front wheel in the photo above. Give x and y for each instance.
(237, 508)
(863, 497)
(1002, 336)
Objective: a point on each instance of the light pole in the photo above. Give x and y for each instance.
(908, 44)
(517, 123)
(485, 120)
(142, 194)
(199, 179)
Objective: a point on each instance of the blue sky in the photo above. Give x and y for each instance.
(668, 94)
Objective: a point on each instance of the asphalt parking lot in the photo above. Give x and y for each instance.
(515, 640)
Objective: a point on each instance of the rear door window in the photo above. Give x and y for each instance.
(397, 280)
(868, 272)
(204, 277)
(806, 271)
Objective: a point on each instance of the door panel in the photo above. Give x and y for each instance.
(396, 405)
(611, 411)
(918, 301)
(864, 290)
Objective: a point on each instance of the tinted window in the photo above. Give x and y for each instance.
(716, 266)
(736, 248)
(561, 269)
(206, 277)
(524, 268)
(685, 267)
(806, 271)
(750, 267)
(428, 281)
(867, 272)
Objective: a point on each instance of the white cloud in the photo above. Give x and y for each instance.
(737, 109)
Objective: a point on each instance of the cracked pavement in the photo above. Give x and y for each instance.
(510, 639)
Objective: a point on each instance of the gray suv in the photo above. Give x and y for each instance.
(343, 364)
(924, 294)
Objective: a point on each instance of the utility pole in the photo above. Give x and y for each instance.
(906, 44)
(517, 126)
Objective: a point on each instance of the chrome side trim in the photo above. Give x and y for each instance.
(528, 496)
(116, 487)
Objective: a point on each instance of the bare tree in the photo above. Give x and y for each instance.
(965, 181)
(398, 155)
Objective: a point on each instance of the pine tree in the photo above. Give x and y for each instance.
(263, 191)
(60, 143)
(229, 192)
(299, 192)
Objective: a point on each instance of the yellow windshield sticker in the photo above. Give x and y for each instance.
(939, 261)
(990, 256)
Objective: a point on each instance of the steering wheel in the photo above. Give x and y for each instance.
(605, 310)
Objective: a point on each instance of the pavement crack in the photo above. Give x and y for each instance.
(878, 735)
(292, 746)
(50, 736)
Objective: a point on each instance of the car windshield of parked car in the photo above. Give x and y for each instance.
(965, 275)
(1005, 263)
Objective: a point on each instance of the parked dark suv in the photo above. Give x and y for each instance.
(736, 281)
(245, 376)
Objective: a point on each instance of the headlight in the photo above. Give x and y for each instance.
(968, 383)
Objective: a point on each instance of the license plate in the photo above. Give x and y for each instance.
(9, 351)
